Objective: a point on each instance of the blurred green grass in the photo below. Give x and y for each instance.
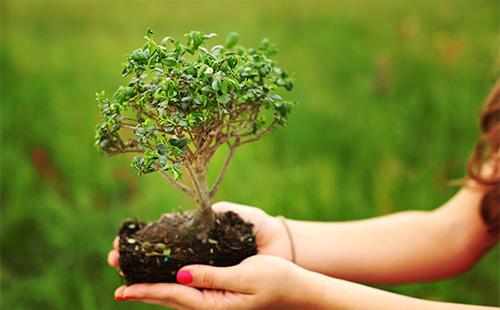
(390, 93)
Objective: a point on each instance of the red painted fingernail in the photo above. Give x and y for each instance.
(184, 277)
(124, 298)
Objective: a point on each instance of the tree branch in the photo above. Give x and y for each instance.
(183, 187)
(215, 187)
(192, 174)
(258, 136)
(134, 150)
(125, 125)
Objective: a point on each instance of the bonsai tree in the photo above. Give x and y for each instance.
(183, 102)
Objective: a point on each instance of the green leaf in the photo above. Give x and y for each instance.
(224, 99)
(223, 86)
(215, 85)
(264, 44)
(167, 251)
(212, 241)
(232, 39)
(140, 56)
(179, 143)
(169, 61)
(166, 40)
(127, 69)
(162, 149)
(195, 39)
(176, 173)
(232, 61)
(210, 35)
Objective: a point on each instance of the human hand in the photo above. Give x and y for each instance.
(114, 254)
(271, 235)
(258, 282)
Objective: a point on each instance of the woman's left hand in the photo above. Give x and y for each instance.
(259, 282)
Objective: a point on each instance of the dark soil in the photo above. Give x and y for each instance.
(156, 251)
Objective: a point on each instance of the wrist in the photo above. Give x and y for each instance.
(289, 237)
(280, 238)
(306, 289)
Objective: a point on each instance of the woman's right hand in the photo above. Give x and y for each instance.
(258, 282)
(271, 235)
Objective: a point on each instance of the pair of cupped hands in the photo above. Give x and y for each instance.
(264, 281)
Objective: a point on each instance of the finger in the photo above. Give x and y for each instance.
(119, 292)
(116, 243)
(152, 301)
(168, 293)
(222, 207)
(222, 278)
(114, 258)
(147, 301)
(243, 211)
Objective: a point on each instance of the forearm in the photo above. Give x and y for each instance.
(367, 250)
(399, 248)
(322, 292)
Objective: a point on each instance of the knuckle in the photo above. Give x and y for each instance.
(207, 279)
(146, 290)
(142, 291)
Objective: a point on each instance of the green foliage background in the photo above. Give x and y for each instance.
(390, 93)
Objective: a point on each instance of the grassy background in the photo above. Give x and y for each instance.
(389, 92)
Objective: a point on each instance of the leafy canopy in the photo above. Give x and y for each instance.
(185, 100)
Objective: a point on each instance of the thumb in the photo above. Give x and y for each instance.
(221, 278)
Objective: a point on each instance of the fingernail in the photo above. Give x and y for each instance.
(184, 277)
(123, 298)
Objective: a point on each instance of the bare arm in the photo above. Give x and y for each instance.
(398, 248)
(329, 293)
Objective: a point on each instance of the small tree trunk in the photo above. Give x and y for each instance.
(205, 213)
